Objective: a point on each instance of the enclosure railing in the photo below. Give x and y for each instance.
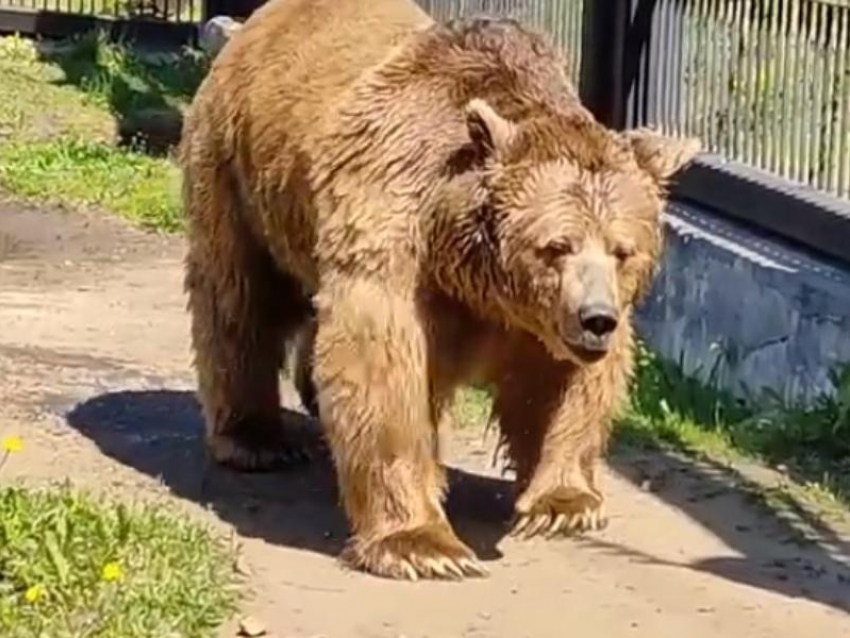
(181, 11)
(765, 82)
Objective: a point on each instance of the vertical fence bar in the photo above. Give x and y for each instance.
(806, 19)
(695, 100)
(785, 128)
(777, 80)
(736, 117)
(724, 74)
(678, 63)
(798, 91)
(682, 122)
(831, 101)
(654, 86)
(843, 143)
(814, 115)
(601, 86)
(661, 64)
(774, 70)
(710, 115)
(762, 103)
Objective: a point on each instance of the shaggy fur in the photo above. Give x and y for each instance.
(414, 206)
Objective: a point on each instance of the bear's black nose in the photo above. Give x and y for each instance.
(598, 319)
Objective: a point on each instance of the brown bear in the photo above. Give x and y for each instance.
(419, 206)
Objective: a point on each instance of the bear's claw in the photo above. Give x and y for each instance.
(563, 511)
(431, 551)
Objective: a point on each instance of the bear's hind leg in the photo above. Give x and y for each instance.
(244, 310)
(302, 367)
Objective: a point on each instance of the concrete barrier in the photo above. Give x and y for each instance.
(767, 313)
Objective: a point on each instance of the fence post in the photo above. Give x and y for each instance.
(602, 80)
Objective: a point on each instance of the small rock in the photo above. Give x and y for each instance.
(240, 566)
(216, 32)
(251, 627)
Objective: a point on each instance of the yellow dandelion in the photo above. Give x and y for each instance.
(11, 444)
(34, 594)
(112, 572)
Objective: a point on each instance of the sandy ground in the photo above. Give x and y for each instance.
(95, 375)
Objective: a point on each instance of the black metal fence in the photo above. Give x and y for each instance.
(168, 10)
(765, 82)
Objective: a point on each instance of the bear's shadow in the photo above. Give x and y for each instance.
(160, 433)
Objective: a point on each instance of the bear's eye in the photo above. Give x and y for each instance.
(557, 249)
(623, 251)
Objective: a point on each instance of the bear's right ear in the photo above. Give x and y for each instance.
(490, 132)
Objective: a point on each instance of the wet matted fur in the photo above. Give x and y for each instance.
(414, 206)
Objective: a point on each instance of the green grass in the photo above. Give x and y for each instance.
(122, 79)
(811, 443)
(72, 566)
(65, 111)
(62, 116)
(73, 171)
(189, 11)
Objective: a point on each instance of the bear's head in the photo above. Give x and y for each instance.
(569, 214)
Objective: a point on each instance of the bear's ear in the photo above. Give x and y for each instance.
(660, 155)
(490, 132)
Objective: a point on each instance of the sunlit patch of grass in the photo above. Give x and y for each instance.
(36, 105)
(66, 111)
(143, 189)
(471, 407)
(123, 79)
(811, 443)
(71, 565)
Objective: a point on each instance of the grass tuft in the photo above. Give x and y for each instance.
(71, 566)
(73, 171)
(78, 116)
(810, 442)
(122, 79)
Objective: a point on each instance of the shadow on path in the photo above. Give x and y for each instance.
(160, 433)
(782, 548)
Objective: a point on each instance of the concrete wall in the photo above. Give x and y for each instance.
(777, 317)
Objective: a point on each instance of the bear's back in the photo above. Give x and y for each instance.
(293, 59)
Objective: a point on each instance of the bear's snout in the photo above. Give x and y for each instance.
(598, 321)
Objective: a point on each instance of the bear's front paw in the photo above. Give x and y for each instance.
(561, 510)
(430, 551)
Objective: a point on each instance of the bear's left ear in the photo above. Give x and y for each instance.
(490, 132)
(660, 155)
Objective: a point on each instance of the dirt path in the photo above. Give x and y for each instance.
(95, 374)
